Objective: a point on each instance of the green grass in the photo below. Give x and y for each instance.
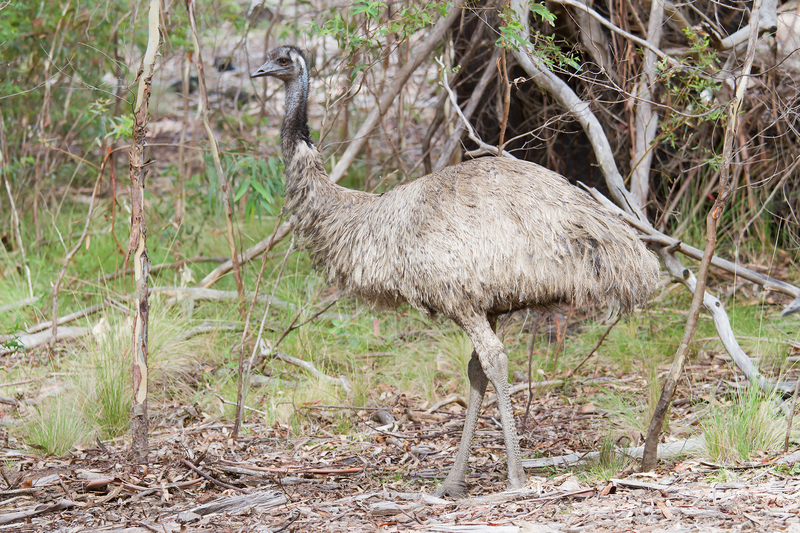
(746, 424)
(56, 426)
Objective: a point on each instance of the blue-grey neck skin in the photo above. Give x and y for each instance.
(295, 123)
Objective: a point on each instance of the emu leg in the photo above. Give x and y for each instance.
(455, 486)
(495, 365)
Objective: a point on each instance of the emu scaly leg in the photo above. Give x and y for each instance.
(455, 486)
(495, 365)
(488, 363)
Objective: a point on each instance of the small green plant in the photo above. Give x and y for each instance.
(544, 47)
(262, 183)
(749, 423)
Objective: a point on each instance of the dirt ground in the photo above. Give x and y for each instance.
(380, 477)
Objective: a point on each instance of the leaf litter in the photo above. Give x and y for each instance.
(381, 476)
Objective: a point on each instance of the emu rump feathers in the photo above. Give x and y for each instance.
(470, 242)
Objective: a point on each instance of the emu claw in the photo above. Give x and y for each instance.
(454, 490)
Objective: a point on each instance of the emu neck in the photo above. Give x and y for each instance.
(295, 122)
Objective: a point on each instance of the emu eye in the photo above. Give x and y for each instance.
(283, 61)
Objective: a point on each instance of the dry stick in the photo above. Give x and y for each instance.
(211, 479)
(67, 318)
(162, 266)
(433, 128)
(423, 50)
(561, 336)
(14, 214)
(71, 253)
(791, 417)
(185, 87)
(561, 92)
(239, 398)
(454, 141)
(539, 320)
(221, 176)
(137, 246)
(483, 147)
(502, 67)
(726, 185)
(645, 119)
(671, 245)
(666, 247)
(596, 346)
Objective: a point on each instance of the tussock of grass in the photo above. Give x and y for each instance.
(748, 424)
(57, 426)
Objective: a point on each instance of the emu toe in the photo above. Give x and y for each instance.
(455, 490)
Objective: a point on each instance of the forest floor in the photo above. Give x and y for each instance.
(374, 477)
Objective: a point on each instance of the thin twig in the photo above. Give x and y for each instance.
(791, 417)
(539, 320)
(71, 253)
(239, 384)
(211, 479)
(596, 346)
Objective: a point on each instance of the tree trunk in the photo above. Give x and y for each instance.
(137, 245)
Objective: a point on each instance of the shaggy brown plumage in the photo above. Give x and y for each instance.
(471, 242)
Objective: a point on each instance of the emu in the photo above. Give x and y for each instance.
(471, 242)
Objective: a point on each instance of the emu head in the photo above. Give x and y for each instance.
(285, 63)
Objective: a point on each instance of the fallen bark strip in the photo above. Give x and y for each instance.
(665, 451)
(60, 505)
(261, 500)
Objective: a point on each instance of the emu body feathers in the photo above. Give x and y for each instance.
(470, 242)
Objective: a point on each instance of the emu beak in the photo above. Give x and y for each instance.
(264, 70)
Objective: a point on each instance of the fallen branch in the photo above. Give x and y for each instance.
(342, 381)
(67, 318)
(665, 451)
(162, 266)
(60, 505)
(42, 338)
(20, 303)
(580, 109)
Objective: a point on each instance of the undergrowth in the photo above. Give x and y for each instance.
(385, 354)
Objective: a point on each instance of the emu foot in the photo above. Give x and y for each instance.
(455, 490)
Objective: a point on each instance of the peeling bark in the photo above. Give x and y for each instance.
(137, 245)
